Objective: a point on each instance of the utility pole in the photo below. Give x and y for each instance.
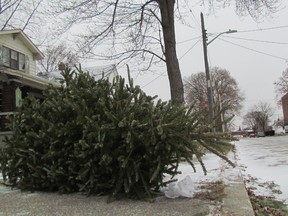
(208, 78)
(207, 72)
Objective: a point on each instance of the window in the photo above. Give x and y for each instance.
(13, 59)
(6, 56)
(21, 62)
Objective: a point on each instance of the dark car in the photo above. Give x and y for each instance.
(260, 134)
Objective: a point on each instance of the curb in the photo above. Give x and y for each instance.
(237, 202)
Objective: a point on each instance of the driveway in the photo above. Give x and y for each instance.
(265, 158)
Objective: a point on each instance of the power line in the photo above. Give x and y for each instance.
(190, 10)
(263, 29)
(190, 49)
(255, 30)
(154, 79)
(256, 40)
(274, 56)
(188, 40)
(165, 71)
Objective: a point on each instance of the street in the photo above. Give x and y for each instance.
(265, 158)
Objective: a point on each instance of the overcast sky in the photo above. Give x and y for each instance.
(256, 55)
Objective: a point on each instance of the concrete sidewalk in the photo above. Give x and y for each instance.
(235, 202)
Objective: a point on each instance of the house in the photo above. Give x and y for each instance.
(18, 56)
(18, 76)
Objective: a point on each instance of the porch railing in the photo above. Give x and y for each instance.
(4, 120)
(4, 131)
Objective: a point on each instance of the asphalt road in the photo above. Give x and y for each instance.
(265, 158)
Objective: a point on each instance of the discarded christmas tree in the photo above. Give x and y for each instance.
(105, 138)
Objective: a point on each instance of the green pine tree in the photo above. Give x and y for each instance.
(107, 138)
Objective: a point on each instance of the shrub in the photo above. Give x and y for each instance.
(98, 137)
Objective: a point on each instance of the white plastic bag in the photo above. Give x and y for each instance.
(183, 188)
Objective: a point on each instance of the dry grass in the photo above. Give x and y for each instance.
(211, 191)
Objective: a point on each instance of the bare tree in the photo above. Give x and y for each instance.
(226, 93)
(139, 29)
(279, 122)
(53, 56)
(143, 29)
(18, 13)
(281, 86)
(250, 120)
(259, 117)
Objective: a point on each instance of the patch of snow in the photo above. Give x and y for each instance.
(188, 182)
(265, 159)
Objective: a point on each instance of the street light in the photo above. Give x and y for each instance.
(208, 80)
(227, 32)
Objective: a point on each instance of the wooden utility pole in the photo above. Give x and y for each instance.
(208, 79)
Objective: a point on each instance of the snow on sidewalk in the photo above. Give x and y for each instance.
(189, 182)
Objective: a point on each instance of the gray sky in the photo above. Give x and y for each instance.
(240, 53)
(255, 56)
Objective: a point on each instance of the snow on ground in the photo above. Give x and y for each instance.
(263, 158)
(266, 159)
(189, 182)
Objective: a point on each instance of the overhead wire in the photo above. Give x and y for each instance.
(190, 49)
(165, 71)
(189, 40)
(256, 40)
(154, 79)
(195, 19)
(267, 54)
(263, 29)
(244, 31)
(195, 38)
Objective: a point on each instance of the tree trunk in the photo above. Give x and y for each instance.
(172, 63)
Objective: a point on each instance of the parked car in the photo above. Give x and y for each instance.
(280, 133)
(252, 135)
(260, 134)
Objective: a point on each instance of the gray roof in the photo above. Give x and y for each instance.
(99, 71)
(96, 71)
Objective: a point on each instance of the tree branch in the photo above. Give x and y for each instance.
(11, 15)
(31, 15)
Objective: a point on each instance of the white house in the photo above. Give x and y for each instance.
(18, 52)
(18, 56)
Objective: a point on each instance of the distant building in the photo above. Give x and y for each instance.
(98, 72)
(284, 100)
(107, 71)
